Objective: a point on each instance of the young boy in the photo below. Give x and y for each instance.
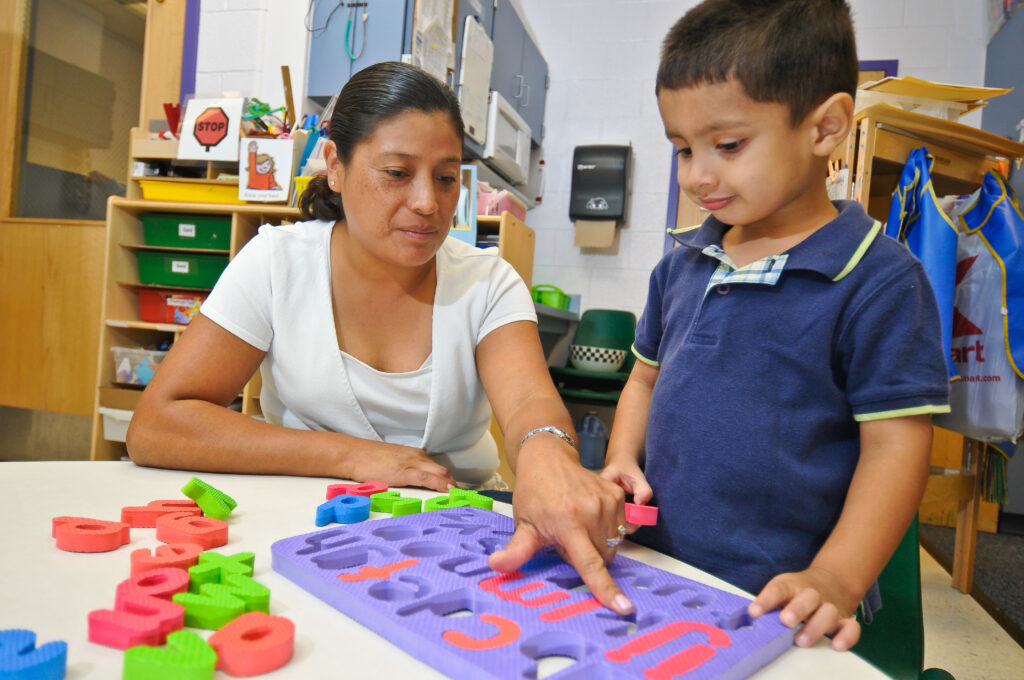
(789, 353)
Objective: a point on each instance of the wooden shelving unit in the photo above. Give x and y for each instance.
(120, 321)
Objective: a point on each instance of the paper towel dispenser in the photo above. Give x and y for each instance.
(600, 182)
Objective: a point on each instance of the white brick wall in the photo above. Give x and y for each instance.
(602, 56)
(244, 43)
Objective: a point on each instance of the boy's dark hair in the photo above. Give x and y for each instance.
(371, 96)
(794, 52)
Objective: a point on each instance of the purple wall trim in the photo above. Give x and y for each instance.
(889, 66)
(189, 47)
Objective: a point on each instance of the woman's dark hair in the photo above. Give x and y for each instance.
(371, 96)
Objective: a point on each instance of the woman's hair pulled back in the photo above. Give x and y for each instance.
(371, 96)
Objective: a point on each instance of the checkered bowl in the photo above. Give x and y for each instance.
(596, 359)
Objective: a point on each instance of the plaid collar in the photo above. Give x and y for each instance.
(765, 271)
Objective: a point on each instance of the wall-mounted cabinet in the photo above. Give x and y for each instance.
(386, 38)
(482, 11)
(520, 73)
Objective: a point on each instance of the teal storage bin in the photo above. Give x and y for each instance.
(179, 269)
(174, 230)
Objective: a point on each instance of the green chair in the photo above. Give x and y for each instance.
(612, 328)
(894, 640)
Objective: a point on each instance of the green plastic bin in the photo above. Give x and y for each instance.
(172, 230)
(189, 270)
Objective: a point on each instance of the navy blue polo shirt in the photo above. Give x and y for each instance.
(752, 435)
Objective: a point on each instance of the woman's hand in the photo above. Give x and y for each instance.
(559, 503)
(395, 465)
(816, 598)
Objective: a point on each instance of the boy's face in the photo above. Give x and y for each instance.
(740, 159)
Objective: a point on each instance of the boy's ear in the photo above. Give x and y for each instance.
(830, 123)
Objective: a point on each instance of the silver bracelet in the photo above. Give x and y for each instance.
(550, 429)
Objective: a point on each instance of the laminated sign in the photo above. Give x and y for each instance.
(210, 130)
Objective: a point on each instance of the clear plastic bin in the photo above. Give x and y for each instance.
(134, 365)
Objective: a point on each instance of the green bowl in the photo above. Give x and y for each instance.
(549, 295)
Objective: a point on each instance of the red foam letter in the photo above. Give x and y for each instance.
(365, 489)
(254, 643)
(677, 664)
(177, 555)
(569, 610)
(146, 516)
(205, 532)
(508, 632)
(381, 573)
(81, 534)
(494, 583)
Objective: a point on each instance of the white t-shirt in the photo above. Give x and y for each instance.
(275, 295)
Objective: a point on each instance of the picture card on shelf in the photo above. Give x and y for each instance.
(210, 129)
(264, 169)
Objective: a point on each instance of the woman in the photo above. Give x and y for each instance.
(380, 342)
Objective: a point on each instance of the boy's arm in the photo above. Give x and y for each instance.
(626, 444)
(884, 493)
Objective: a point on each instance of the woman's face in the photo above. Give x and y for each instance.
(400, 188)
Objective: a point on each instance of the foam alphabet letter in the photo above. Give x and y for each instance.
(146, 516)
(215, 568)
(365, 489)
(344, 509)
(205, 532)
(677, 664)
(644, 515)
(254, 643)
(214, 502)
(494, 583)
(186, 657)
(508, 632)
(142, 611)
(219, 603)
(176, 555)
(81, 534)
(20, 658)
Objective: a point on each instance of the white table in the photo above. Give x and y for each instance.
(51, 591)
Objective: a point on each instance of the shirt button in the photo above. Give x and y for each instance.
(722, 288)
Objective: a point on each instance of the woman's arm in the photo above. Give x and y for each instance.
(182, 421)
(557, 502)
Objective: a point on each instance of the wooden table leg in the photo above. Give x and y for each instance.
(865, 155)
(967, 519)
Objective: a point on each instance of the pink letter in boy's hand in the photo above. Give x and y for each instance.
(644, 515)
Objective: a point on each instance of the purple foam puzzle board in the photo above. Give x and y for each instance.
(406, 577)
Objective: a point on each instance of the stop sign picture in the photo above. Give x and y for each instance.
(211, 127)
(209, 130)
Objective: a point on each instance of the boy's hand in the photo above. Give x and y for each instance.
(815, 597)
(627, 474)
